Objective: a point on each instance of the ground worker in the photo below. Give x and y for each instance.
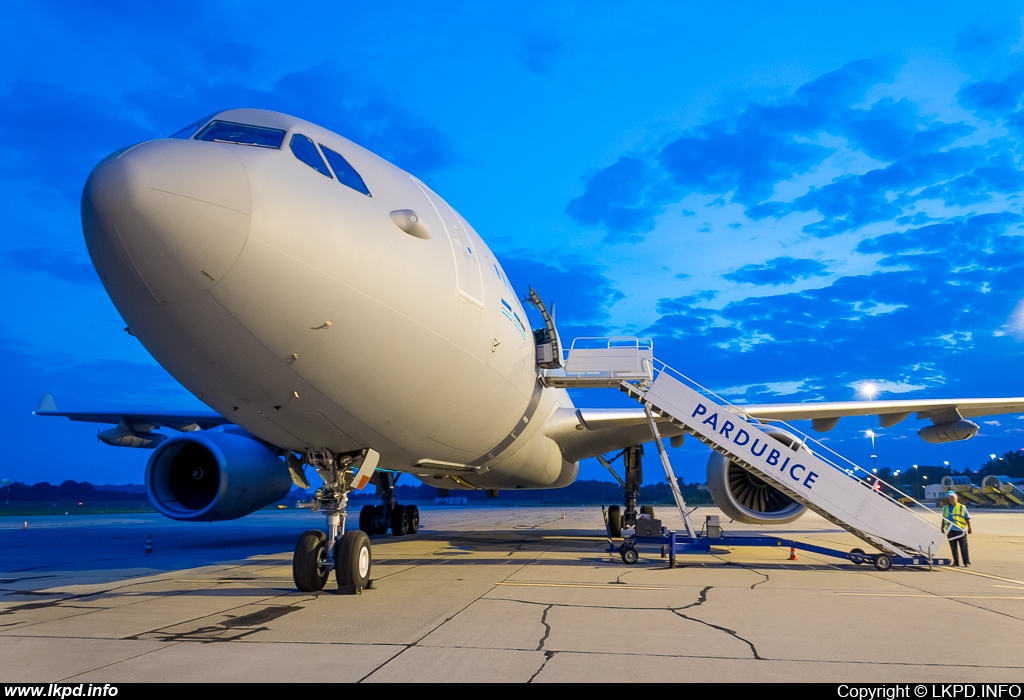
(957, 521)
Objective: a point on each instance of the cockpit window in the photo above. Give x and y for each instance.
(242, 134)
(305, 150)
(346, 174)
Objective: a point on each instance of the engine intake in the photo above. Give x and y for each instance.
(214, 475)
(747, 498)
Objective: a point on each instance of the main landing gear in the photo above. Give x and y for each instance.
(376, 520)
(348, 553)
(620, 519)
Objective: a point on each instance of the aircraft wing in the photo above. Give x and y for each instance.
(939, 410)
(138, 420)
(588, 432)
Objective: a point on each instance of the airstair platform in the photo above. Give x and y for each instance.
(807, 471)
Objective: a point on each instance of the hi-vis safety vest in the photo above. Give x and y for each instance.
(958, 516)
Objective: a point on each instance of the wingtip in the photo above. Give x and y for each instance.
(47, 404)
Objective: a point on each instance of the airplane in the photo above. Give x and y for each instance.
(334, 312)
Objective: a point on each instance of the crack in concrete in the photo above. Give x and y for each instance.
(728, 631)
(448, 619)
(548, 655)
(547, 627)
(750, 569)
(701, 599)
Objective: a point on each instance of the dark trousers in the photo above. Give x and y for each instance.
(961, 543)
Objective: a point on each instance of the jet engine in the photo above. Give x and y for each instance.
(214, 475)
(747, 498)
(949, 432)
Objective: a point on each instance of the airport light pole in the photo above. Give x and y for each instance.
(869, 389)
(874, 456)
(7, 483)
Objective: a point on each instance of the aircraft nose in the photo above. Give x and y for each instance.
(177, 213)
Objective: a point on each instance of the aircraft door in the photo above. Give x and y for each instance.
(464, 247)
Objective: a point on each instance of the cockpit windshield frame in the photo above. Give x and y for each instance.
(190, 130)
(220, 131)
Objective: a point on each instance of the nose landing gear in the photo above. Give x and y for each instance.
(350, 552)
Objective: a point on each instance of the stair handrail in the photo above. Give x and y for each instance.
(660, 366)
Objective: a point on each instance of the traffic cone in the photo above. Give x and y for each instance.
(563, 516)
(792, 554)
(149, 544)
(24, 525)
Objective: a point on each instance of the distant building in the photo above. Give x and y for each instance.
(934, 492)
(702, 487)
(451, 501)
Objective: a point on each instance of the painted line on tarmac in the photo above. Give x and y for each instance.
(612, 586)
(978, 573)
(936, 595)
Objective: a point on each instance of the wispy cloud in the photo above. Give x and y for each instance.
(778, 271)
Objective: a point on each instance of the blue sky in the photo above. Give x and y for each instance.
(790, 200)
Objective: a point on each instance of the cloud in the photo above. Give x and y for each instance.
(56, 136)
(571, 277)
(745, 154)
(877, 387)
(990, 98)
(56, 263)
(882, 194)
(623, 198)
(986, 240)
(778, 271)
(540, 52)
(566, 277)
(743, 157)
(947, 292)
(1015, 323)
(983, 41)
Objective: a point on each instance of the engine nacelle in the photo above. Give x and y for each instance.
(745, 497)
(949, 432)
(214, 475)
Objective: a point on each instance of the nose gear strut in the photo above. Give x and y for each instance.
(349, 553)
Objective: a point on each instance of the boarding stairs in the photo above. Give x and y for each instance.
(809, 472)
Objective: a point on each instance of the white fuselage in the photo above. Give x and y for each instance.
(297, 308)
